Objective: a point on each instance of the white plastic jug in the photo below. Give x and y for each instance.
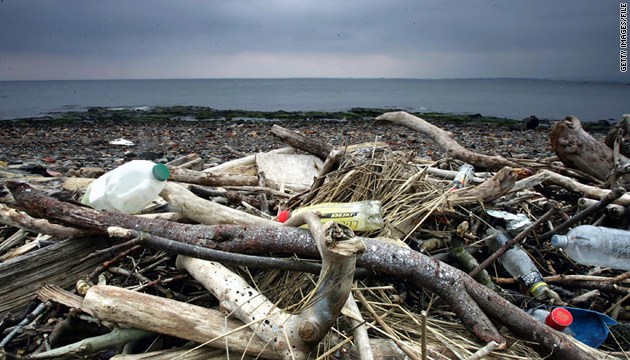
(129, 188)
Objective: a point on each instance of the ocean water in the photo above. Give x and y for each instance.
(510, 98)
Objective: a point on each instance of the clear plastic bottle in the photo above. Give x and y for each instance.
(517, 262)
(463, 177)
(359, 215)
(596, 246)
(129, 188)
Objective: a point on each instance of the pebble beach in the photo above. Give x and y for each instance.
(84, 140)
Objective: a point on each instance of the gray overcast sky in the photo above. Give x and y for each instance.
(73, 39)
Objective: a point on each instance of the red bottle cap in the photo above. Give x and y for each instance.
(283, 216)
(559, 318)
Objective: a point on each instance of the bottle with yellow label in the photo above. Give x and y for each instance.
(359, 215)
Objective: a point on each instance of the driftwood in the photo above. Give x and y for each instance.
(288, 334)
(620, 133)
(445, 140)
(550, 177)
(210, 179)
(302, 142)
(172, 317)
(207, 212)
(579, 150)
(471, 301)
(22, 276)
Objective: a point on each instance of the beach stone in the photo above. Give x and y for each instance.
(531, 122)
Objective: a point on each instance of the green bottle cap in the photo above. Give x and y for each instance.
(161, 172)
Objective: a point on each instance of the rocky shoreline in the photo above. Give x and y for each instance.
(82, 139)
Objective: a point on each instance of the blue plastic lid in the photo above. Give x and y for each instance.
(590, 327)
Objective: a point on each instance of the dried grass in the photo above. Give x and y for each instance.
(409, 197)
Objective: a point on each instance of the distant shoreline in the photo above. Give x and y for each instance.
(574, 80)
(161, 114)
(201, 113)
(502, 98)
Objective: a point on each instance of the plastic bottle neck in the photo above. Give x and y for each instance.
(560, 241)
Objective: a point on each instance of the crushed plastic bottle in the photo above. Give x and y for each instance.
(596, 246)
(514, 223)
(129, 188)
(517, 262)
(465, 173)
(359, 215)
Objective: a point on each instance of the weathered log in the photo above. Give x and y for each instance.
(579, 150)
(207, 212)
(22, 276)
(495, 187)
(305, 143)
(292, 334)
(445, 140)
(166, 316)
(12, 217)
(458, 289)
(210, 179)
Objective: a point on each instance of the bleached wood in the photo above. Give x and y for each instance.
(175, 318)
(446, 141)
(208, 212)
(550, 177)
(210, 179)
(293, 335)
(12, 217)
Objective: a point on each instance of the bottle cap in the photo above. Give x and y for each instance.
(559, 318)
(560, 241)
(283, 216)
(161, 172)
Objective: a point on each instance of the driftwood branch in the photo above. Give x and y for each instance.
(12, 217)
(579, 150)
(470, 300)
(550, 177)
(445, 140)
(210, 179)
(174, 318)
(207, 212)
(305, 143)
(292, 335)
(116, 337)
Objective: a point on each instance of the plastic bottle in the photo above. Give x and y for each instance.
(558, 318)
(359, 216)
(129, 188)
(596, 246)
(463, 176)
(517, 262)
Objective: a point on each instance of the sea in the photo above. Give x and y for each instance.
(508, 98)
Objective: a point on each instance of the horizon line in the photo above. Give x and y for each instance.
(565, 79)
